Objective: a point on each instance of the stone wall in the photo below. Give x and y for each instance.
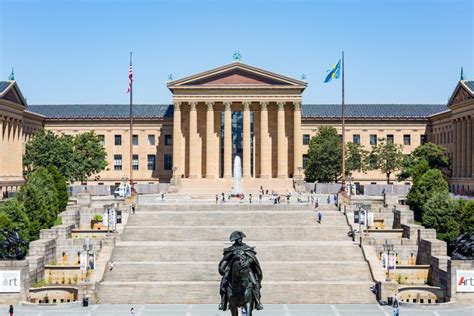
(453, 266)
(22, 266)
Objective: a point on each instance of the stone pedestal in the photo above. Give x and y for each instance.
(21, 266)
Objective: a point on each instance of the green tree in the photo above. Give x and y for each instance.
(16, 213)
(430, 182)
(467, 218)
(48, 149)
(61, 187)
(356, 158)
(442, 213)
(324, 156)
(387, 157)
(40, 198)
(433, 155)
(76, 158)
(89, 155)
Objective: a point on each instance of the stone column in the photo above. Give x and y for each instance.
(458, 148)
(210, 146)
(178, 170)
(2, 145)
(227, 140)
(297, 142)
(463, 148)
(246, 142)
(469, 147)
(194, 152)
(454, 164)
(282, 143)
(265, 151)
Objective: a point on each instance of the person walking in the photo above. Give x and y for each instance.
(250, 198)
(162, 197)
(260, 197)
(217, 198)
(133, 208)
(316, 203)
(10, 310)
(132, 312)
(111, 265)
(320, 216)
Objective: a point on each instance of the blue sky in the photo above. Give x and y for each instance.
(76, 51)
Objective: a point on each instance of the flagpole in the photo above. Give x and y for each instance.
(343, 110)
(131, 131)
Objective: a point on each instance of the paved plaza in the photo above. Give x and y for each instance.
(211, 310)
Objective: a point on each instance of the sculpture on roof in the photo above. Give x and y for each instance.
(237, 56)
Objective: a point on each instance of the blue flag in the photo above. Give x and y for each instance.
(334, 73)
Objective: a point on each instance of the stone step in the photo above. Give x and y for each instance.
(229, 218)
(291, 292)
(212, 251)
(218, 233)
(207, 271)
(232, 207)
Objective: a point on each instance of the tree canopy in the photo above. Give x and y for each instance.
(387, 157)
(324, 156)
(429, 154)
(76, 158)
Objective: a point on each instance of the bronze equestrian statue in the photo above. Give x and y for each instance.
(241, 277)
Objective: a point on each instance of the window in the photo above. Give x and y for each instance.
(135, 140)
(168, 140)
(406, 140)
(118, 140)
(305, 161)
(101, 139)
(135, 162)
(423, 139)
(373, 139)
(151, 140)
(390, 138)
(356, 139)
(151, 162)
(305, 139)
(117, 162)
(168, 162)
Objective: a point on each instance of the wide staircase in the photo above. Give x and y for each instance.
(168, 254)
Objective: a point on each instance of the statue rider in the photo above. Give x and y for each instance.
(255, 270)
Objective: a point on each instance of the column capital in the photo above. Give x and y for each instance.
(192, 106)
(263, 106)
(177, 106)
(281, 106)
(210, 106)
(227, 105)
(246, 105)
(297, 106)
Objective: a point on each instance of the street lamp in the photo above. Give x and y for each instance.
(349, 179)
(361, 215)
(388, 248)
(87, 248)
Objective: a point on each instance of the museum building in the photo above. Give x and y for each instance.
(229, 111)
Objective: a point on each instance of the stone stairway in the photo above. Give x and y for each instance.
(168, 254)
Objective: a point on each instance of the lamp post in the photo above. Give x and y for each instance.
(388, 248)
(361, 215)
(87, 248)
(349, 179)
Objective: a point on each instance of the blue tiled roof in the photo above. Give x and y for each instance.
(470, 85)
(308, 110)
(102, 110)
(3, 85)
(372, 110)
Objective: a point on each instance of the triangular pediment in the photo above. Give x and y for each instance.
(236, 74)
(461, 93)
(13, 94)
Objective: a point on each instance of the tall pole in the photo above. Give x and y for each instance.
(343, 110)
(131, 128)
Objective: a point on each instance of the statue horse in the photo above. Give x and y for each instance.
(240, 287)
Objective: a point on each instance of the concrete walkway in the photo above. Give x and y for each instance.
(211, 310)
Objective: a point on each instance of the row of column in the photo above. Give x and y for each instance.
(11, 144)
(265, 148)
(463, 160)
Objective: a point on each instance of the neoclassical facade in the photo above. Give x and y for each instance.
(234, 110)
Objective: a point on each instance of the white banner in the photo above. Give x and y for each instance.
(465, 281)
(392, 262)
(9, 281)
(370, 219)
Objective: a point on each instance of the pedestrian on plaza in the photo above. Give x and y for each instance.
(329, 199)
(396, 311)
(10, 310)
(250, 198)
(217, 198)
(260, 197)
(320, 217)
(266, 192)
(133, 208)
(223, 197)
(316, 203)
(111, 265)
(162, 197)
(132, 312)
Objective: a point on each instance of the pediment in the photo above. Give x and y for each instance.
(13, 94)
(460, 94)
(236, 74)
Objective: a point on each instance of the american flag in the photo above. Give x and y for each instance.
(130, 78)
